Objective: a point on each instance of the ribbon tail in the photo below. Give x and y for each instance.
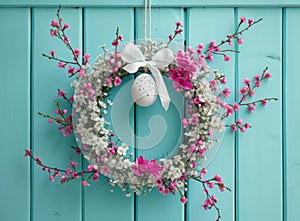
(161, 87)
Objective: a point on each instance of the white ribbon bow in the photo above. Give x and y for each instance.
(132, 55)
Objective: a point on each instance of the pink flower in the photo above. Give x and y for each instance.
(96, 177)
(141, 166)
(54, 23)
(181, 78)
(243, 90)
(223, 80)
(184, 122)
(247, 81)
(117, 81)
(61, 93)
(239, 121)
(60, 65)
(66, 39)
(226, 58)
(154, 168)
(183, 200)
(76, 52)
(250, 21)
(197, 100)
(53, 32)
(73, 164)
(50, 121)
(267, 75)
(170, 37)
(210, 57)
(51, 178)
(85, 183)
(52, 52)
(27, 152)
(66, 26)
(243, 19)
(104, 170)
(264, 102)
(226, 92)
(178, 23)
(71, 70)
(240, 41)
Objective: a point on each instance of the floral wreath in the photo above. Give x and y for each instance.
(191, 75)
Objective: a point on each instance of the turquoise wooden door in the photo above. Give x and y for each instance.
(261, 167)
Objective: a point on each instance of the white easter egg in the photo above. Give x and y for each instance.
(143, 90)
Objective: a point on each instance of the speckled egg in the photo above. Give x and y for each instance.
(143, 90)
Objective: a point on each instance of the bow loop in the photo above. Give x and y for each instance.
(135, 59)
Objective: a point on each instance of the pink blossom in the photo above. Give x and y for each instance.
(54, 23)
(27, 152)
(158, 182)
(226, 58)
(214, 199)
(96, 177)
(183, 200)
(66, 26)
(154, 168)
(181, 78)
(82, 74)
(52, 52)
(61, 93)
(250, 21)
(243, 19)
(51, 178)
(239, 121)
(73, 164)
(210, 57)
(66, 39)
(184, 122)
(264, 102)
(240, 41)
(247, 81)
(242, 129)
(178, 23)
(170, 37)
(53, 32)
(141, 166)
(251, 107)
(104, 170)
(243, 90)
(117, 81)
(223, 80)
(60, 65)
(233, 127)
(246, 125)
(71, 70)
(267, 75)
(76, 52)
(85, 183)
(257, 83)
(236, 107)
(226, 92)
(120, 37)
(197, 100)
(50, 121)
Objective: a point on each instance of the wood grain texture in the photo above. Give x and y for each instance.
(290, 87)
(206, 25)
(263, 163)
(259, 149)
(156, 206)
(15, 114)
(99, 202)
(52, 201)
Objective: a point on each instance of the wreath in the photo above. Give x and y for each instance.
(151, 62)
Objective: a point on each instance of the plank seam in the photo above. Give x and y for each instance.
(236, 135)
(83, 31)
(284, 169)
(31, 118)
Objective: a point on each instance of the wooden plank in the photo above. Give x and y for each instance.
(164, 127)
(205, 25)
(15, 112)
(52, 201)
(98, 200)
(155, 3)
(260, 150)
(291, 99)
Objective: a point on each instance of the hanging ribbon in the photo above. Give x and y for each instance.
(132, 55)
